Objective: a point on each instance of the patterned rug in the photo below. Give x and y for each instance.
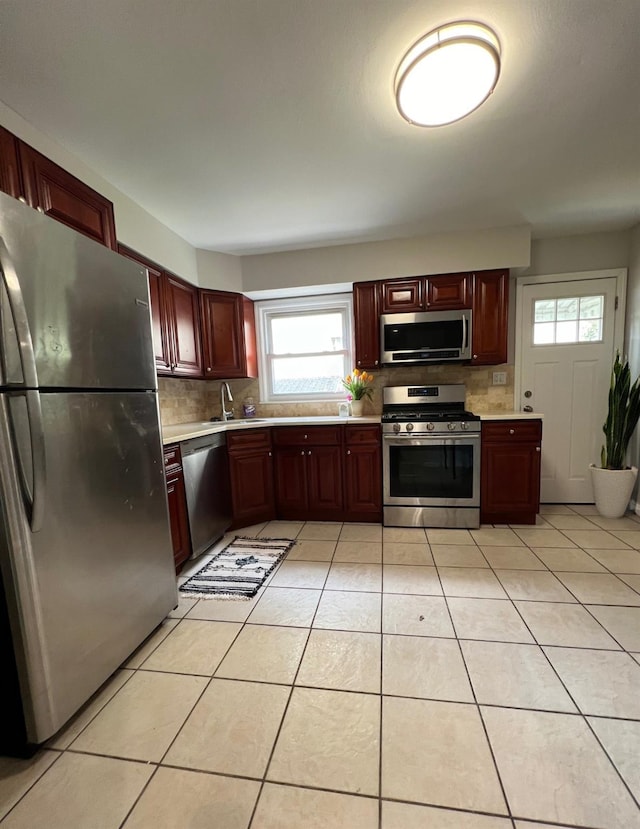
(239, 570)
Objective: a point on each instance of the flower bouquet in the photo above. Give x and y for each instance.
(358, 384)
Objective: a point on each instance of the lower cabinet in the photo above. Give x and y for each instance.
(308, 473)
(362, 474)
(510, 475)
(251, 473)
(176, 496)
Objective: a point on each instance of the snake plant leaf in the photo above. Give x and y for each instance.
(622, 415)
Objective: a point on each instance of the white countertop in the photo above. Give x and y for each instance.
(186, 431)
(502, 415)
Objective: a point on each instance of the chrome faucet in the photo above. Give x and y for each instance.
(226, 414)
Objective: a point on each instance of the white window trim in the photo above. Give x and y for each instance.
(305, 304)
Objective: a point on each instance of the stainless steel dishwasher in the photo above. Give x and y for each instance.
(206, 479)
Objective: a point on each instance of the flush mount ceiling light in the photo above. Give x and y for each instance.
(447, 74)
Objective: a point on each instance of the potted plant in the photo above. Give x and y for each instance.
(613, 480)
(358, 385)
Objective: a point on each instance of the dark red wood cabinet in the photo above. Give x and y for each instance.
(308, 473)
(510, 471)
(363, 473)
(490, 312)
(251, 474)
(448, 292)
(10, 178)
(228, 335)
(366, 314)
(58, 194)
(399, 295)
(176, 497)
(182, 310)
(175, 320)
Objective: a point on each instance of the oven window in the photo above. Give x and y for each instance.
(431, 471)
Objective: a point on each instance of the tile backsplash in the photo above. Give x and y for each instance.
(185, 401)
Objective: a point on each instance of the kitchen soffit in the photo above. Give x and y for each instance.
(271, 124)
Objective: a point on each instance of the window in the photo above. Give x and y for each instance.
(568, 320)
(305, 347)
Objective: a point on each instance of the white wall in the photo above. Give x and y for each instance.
(587, 252)
(442, 253)
(219, 271)
(134, 226)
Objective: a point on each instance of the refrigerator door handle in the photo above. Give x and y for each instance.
(20, 318)
(33, 495)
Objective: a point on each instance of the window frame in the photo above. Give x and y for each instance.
(296, 306)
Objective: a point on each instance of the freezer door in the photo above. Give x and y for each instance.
(98, 577)
(86, 307)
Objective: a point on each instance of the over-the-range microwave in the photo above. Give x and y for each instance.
(425, 337)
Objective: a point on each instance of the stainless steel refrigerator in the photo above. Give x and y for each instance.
(86, 562)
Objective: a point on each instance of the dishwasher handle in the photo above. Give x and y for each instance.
(189, 447)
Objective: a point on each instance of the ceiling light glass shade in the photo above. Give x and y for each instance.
(447, 74)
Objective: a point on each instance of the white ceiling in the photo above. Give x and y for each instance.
(256, 125)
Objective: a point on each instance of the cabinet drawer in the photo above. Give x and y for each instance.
(512, 430)
(356, 435)
(248, 439)
(307, 435)
(172, 457)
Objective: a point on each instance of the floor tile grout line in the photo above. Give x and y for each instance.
(381, 723)
(479, 712)
(286, 708)
(57, 751)
(582, 714)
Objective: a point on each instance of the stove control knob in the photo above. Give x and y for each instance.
(464, 426)
(409, 427)
(430, 427)
(396, 428)
(451, 426)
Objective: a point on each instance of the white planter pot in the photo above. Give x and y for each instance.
(612, 489)
(356, 408)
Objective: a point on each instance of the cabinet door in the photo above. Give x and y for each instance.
(184, 326)
(10, 180)
(158, 310)
(291, 483)
(178, 517)
(490, 309)
(403, 295)
(324, 482)
(252, 487)
(223, 334)
(449, 292)
(366, 313)
(510, 483)
(62, 196)
(363, 482)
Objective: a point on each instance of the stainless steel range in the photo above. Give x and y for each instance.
(430, 458)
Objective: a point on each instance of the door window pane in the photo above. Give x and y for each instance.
(568, 320)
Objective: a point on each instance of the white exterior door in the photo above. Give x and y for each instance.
(567, 340)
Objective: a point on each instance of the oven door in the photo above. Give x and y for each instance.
(431, 471)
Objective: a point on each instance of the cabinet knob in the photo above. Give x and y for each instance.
(309, 452)
(305, 437)
(302, 453)
(537, 448)
(512, 431)
(475, 356)
(359, 362)
(376, 363)
(208, 368)
(270, 454)
(348, 451)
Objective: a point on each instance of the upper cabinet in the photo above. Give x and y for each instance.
(54, 191)
(366, 312)
(175, 318)
(445, 292)
(228, 335)
(486, 292)
(10, 179)
(490, 311)
(33, 178)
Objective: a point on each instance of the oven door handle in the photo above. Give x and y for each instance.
(459, 437)
(465, 333)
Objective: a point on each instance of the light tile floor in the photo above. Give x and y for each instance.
(382, 679)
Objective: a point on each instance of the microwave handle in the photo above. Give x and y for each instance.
(465, 332)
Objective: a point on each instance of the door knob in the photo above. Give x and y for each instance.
(527, 408)
(528, 393)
